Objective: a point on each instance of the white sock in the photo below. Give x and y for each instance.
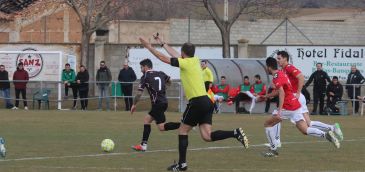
(315, 132)
(253, 103)
(322, 126)
(277, 128)
(270, 135)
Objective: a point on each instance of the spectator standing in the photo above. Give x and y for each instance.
(68, 79)
(20, 79)
(127, 75)
(334, 93)
(354, 77)
(103, 78)
(82, 79)
(319, 78)
(222, 89)
(5, 87)
(207, 75)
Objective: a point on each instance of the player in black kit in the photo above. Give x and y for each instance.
(155, 82)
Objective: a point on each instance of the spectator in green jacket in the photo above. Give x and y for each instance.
(68, 79)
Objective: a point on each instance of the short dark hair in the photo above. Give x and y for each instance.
(20, 64)
(102, 61)
(283, 54)
(67, 64)
(335, 77)
(188, 49)
(2, 65)
(320, 64)
(257, 76)
(223, 77)
(245, 77)
(146, 62)
(272, 63)
(204, 61)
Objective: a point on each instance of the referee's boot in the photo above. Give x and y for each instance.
(178, 167)
(241, 137)
(140, 147)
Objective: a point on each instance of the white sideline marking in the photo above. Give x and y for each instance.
(161, 150)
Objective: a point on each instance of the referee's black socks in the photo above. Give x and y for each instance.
(171, 126)
(183, 146)
(221, 135)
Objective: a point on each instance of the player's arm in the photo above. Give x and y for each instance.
(136, 100)
(172, 52)
(300, 78)
(273, 93)
(156, 53)
(281, 99)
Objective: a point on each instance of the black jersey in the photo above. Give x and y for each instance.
(155, 82)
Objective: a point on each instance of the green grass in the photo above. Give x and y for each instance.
(60, 135)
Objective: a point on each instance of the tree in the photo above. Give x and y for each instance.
(94, 15)
(249, 7)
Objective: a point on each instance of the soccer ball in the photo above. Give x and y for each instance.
(107, 145)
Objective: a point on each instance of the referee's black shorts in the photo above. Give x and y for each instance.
(198, 111)
(158, 112)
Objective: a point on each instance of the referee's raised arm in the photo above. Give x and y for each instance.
(156, 53)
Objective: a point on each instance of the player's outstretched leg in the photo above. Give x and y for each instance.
(329, 135)
(2, 147)
(277, 129)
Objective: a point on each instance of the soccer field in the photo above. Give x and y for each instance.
(70, 141)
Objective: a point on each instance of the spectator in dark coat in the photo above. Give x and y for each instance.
(127, 75)
(354, 77)
(5, 87)
(20, 79)
(82, 79)
(319, 78)
(103, 77)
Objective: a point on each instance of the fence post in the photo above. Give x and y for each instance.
(115, 95)
(353, 99)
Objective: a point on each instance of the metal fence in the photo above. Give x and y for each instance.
(58, 100)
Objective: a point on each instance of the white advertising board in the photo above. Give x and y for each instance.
(336, 60)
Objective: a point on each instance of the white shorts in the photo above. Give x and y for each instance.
(216, 97)
(294, 116)
(303, 103)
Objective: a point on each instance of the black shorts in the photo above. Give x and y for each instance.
(158, 112)
(198, 111)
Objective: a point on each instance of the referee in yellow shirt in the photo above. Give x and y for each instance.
(207, 74)
(199, 110)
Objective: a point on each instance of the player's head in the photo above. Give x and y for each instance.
(319, 66)
(2, 68)
(257, 77)
(187, 50)
(146, 64)
(67, 66)
(353, 68)
(335, 80)
(271, 65)
(282, 58)
(203, 64)
(246, 79)
(223, 79)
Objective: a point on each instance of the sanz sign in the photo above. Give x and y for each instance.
(337, 61)
(33, 63)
